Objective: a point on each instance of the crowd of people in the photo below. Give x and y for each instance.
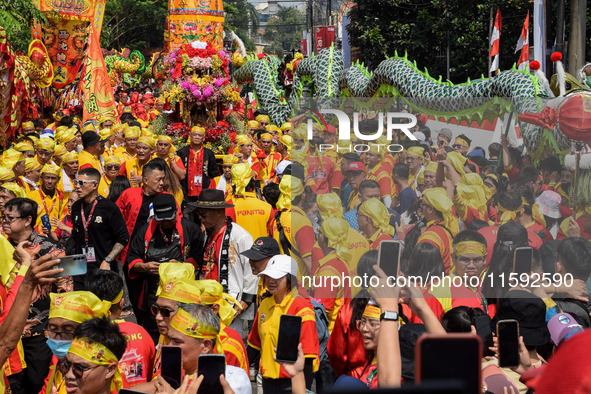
(186, 249)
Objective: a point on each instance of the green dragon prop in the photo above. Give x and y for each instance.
(479, 100)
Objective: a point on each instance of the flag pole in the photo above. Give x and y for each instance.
(490, 30)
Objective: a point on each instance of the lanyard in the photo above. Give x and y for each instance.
(86, 222)
(44, 204)
(212, 244)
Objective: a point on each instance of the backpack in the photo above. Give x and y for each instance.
(321, 329)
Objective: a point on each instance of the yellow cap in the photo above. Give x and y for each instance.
(11, 156)
(230, 160)
(169, 274)
(169, 140)
(212, 292)
(27, 125)
(437, 198)
(252, 124)
(199, 129)
(286, 126)
(89, 126)
(336, 231)
(242, 140)
(106, 133)
(24, 146)
(290, 187)
(415, 151)
(376, 211)
(262, 118)
(112, 160)
(60, 150)
(67, 136)
(329, 205)
(16, 189)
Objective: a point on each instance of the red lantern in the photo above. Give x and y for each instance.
(574, 118)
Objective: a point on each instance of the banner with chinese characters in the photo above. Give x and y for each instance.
(96, 84)
(195, 20)
(66, 36)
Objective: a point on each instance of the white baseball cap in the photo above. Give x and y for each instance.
(278, 266)
(238, 380)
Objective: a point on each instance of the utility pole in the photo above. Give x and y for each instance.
(576, 47)
(447, 39)
(328, 11)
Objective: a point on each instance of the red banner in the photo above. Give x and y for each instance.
(324, 37)
(304, 46)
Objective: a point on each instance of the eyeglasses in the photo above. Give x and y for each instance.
(368, 324)
(113, 167)
(78, 182)
(163, 311)
(411, 158)
(423, 205)
(466, 261)
(10, 219)
(78, 369)
(456, 146)
(63, 335)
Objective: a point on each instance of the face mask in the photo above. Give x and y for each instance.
(59, 347)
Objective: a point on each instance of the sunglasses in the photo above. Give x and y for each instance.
(77, 369)
(81, 183)
(112, 167)
(162, 311)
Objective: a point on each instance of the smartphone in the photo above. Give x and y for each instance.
(172, 365)
(45, 221)
(462, 354)
(72, 265)
(508, 343)
(484, 331)
(290, 329)
(128, 391)
(522, 260)
(389, 257)
(211, 366)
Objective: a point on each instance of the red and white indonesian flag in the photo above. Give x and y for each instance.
(495, 40)
(523, 46)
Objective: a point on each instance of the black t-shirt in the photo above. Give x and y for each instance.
(144, 214)
(107, 227)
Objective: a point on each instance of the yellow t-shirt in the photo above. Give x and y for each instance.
(85, 159)
(51, 206)
(252, 214)
(104, 186)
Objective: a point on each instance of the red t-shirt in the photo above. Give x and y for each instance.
(138, 360)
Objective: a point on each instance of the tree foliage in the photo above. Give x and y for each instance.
(17, 17)
(285, 30)
(381, 27)
(134, 24)
(242, 16)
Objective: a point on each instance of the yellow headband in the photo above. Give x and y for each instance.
(60, 130)
(212, 292)
(377, 212)
(16, 189)
(112, 160)
(270, 128)
(471, 190)
(266, 137)
(415, 151)
(507, 215)
(186, 324)
(147, 132)
(172, 273)
(461, 141)
(329, 205)
(286, 126)
(51, 169)
(336, 232)
(118, 298)
(437, 198)
(300, 157)
(12, 156)
(229, 160)
(132, 132)
(88, 127)
(432, 167)
(242, 140)
(45, 143)
(97, 354)
(24, 146)
(31, 164)
(198, 129)
(468, 247)
(168, 140)
(372, 311)
(146, 140)
(60, 150)
(457, 161)
(69, 157)
(241, 175)
(27, 125)
(181, 290)
(263, 118)
(67, 136)
(290, 187)
(253, 124)
(58, 117)
(102, 119)
(287, 141)
(6, 174)
(106, 133)
(77, 306)
(300, 133)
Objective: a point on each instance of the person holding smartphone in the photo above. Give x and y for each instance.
(279, 279)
